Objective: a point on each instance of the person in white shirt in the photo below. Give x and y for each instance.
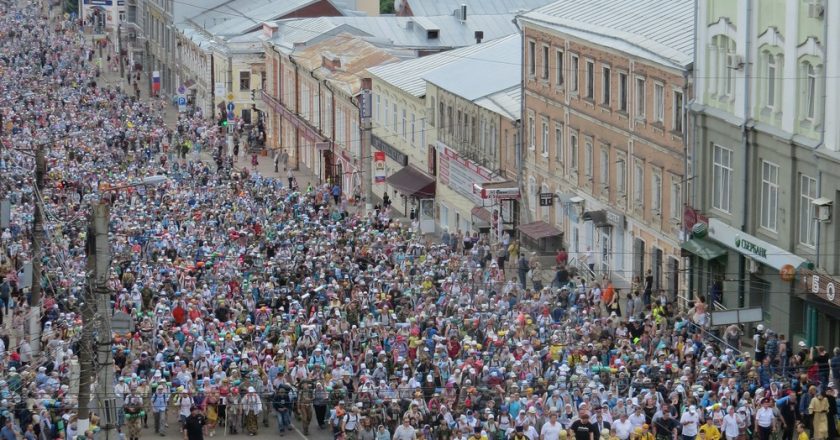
(730, 424)
(405, 431)
(637, 419)
(690, 422)
(551, 429)
(623, 427)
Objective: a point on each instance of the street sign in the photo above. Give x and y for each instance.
(366, 104)
(182, 104)
(737, 316)
(546, 199)
(230, 115)
(231, 106)
(220, 89)
(230, 96)
(182, 90)
(121, 323)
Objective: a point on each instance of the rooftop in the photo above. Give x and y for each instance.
(237, 17)
(408, 75)
(661, 31)
(420, 8)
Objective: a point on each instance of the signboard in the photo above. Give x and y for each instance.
(395, 155)
(823, 286)
(379, 167)
(546, 199)
(182, 90)
(121, 323)
(155, 81)
(366, 105)
(219, 89)
(230, 97)
(322, 146)
(460, 174)
(182, 104)
(737, 316)
(755, 248)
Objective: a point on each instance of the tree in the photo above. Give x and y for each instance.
(386, 6)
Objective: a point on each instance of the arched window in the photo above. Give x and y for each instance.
(721, 61)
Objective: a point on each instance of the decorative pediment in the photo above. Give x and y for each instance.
(722, 27)
(811, 47)
(771, 37)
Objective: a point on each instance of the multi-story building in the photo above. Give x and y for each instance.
(312, 98)
(766, 161)
(405, 129)
(605, 85)
(426, 8)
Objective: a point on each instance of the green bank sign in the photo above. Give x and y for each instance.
(750, 247)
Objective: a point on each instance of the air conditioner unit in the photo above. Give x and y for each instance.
(753, 265)
(734, 61)
(816, 10)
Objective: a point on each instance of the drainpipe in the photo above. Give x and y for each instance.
(519, 128)
(295, 100)
(745, 145)
(822, 136)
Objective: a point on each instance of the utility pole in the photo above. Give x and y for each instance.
(119, 49)
(86, 361)
(365, 113)
(37, 237)
(104, 358)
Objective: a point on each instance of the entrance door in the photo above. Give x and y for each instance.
(427, 216)
(606, 249)
(656, 266)
(638, 258)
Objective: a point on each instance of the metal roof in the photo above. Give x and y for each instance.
(236, 17)
(659, 30)
(507, 103)
(408, 75)
(448, 7)
(492, 69)
(399, 32)
(353, 54)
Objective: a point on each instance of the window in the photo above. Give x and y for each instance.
(573, 152)
(590, 79)
(413, 125)
(387, 113)
(604, 169)
(622, 92)
(621, 175)
(404, 125)
(545, 63)
(532, 58)
(431, 112)
(720, 72)
(656, 193)
(394, 119)
(304, 101)
(559, 57)
(449, 122)
(807, 211)
(679, 115)
(458, 126)
(558, 141)
(769, 195)
(722, 178)
(605, 85)
(573, 87)
(640, 98)
(378, 108)
(639, 184)
(532, 194)
(532, 133)
(545, 137)
(587, 158)
(422, 134)
(658, 103)
(771, 80)
(244, 81)
(809, 92)
(545, 211)
(676, 199)
(441, 116)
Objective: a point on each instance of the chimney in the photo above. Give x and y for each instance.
(463, 15)
(269, 29)
(479, 35)
(331, 62)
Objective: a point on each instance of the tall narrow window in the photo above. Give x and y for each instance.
(532, 133)
(810, 91)
(558, 142)
(604, 168)
(573, 152)
(545, 137)
(532, 58)
(722, 178)
(387, 113)
(771, 80)
(413, 137)
(404, 125)
(573, 70)
(658, 102)
(587, 158)
(559, 58)
(807, 211)
(394, 119)
(656, 194)
(606, 78)
(622, 92)
(676, 199)
(679, 114)
(545, 63)
(621, 175)
(640, 98)
(639, 184)
(769, 195)
(590, 79)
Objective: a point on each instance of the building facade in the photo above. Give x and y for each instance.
(604, 133)
(768, 161)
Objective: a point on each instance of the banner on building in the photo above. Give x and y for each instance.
(155, 81)
(379, 167)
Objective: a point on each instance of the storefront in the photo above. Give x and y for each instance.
(764, 278)
(608, 228)
(822, 308)
(417, 191)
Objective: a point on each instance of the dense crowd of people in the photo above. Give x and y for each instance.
(256, 301)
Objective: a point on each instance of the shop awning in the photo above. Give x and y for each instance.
(482, 214)
(413, 183)
(599, 218)
(704, 249)
(539, 229)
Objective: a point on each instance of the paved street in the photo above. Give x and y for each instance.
(270, 432)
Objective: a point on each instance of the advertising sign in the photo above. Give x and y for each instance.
(379, 167)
